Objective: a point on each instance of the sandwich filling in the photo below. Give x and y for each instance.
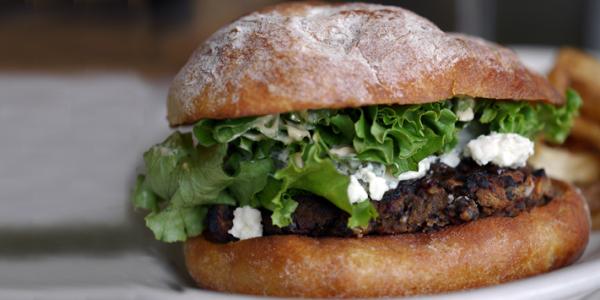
(384, 169)
(444, 196)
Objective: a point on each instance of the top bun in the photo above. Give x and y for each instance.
(297, 56)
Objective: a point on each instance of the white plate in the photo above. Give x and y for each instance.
(71, 145)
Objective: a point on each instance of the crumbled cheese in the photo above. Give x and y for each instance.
(377, 187)
(246, 223)
(424, 166)
(452, 158)
(465, 115)
(356, 192)
(502, 149)
(378, 181)
(347, 166)
(464, 109)
(374, 177)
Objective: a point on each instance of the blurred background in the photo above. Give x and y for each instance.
(156, 36)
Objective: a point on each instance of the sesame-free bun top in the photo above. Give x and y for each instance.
(297, 56)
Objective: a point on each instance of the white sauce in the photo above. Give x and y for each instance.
(246, 223)
(270, 131)
(297, 134)
(374, 177)
(502, 149)
(342, 151)
(356, 192)
(424, 166)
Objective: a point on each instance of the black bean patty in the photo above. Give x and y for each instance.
(445, 196)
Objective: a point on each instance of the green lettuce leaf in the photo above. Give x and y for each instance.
(401, 136)
(274, 198)
(181, 182)
(237, 162)
(310, 172)
(559, 120)
(142, 196)
(210, 132)
(252, 178)
(163, 163)
(201, 177)
(531, 120)
(510, 116)
(176, 224)
(361, 214)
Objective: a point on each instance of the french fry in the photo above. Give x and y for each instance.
(588, 131)
(580, 71)
(582, 168)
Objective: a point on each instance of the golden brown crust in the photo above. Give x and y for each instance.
(480, 253)
(298, 56)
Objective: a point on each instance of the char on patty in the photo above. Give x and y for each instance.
(445, 196)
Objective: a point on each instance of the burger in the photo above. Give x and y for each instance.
(356, 150)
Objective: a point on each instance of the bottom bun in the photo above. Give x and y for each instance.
(484, 252)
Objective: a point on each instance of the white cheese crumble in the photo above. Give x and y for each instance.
(502, 149)
(356, 192)
(374, 177)
(452, 158)
(246, 223)
(465, 115)
(424, 166)
(377, 187)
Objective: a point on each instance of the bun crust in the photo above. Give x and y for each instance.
(480, 253)
(298, 56)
